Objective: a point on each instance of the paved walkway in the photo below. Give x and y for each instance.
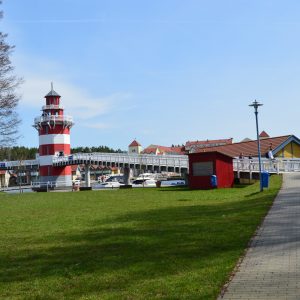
(271, 267)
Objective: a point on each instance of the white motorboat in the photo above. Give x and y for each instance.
(145, 180)
(144, 183)
(146, 176)
(114, 181)
(112, 184)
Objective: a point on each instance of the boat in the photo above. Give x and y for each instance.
(145, 180)
(114, 181)
(144, 183)
(146, 176)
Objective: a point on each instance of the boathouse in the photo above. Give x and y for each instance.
(204, 165)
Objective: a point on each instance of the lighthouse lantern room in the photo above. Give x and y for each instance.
(54, 140)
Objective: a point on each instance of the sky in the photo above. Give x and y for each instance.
(162, 72)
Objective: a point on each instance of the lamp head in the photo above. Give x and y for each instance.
(255, 104)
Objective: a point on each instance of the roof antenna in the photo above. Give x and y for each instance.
(51, 86)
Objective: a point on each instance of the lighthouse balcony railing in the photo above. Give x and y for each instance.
(54, 118)
(52, 106)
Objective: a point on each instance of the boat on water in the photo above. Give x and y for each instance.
(146, 176)
(144, 183)
(114, 181)
(145, 180)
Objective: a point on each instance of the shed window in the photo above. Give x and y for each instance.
(203, 168)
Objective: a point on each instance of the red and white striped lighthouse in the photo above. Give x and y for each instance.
(54, 140)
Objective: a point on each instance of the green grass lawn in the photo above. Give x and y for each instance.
(168, 243)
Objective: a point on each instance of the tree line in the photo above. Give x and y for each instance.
(22, 153)
(17, 153)
(102, 149)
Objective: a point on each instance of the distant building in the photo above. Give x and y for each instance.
(135, 148)
(193, 146)
(4, 178)
(163, 150)
(263, 135)
(246, 140)
(189, 147)
(287, 146)
(76, 174)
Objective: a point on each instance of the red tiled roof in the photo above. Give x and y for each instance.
(163, 150)
(248, 148)
(204, 151)
(179, 150)
(134, 144)
(149, 151)
(263, 134)
(208, 142)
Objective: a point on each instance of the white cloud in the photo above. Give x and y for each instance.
(76, 100)
(97, 125)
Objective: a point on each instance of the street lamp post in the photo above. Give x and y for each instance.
(256, 104)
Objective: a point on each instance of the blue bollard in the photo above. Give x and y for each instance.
(214, 181)
(265, 179)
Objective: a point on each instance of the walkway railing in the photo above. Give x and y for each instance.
(177, 161)
(49, 184)
(278, 165)
(19, 163)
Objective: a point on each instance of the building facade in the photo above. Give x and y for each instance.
(135, 147)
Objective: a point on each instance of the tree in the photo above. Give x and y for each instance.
(9, 99)
(17, 153)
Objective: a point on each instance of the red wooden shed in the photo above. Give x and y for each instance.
(203, 165)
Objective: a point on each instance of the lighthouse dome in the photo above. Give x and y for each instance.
(52, 92)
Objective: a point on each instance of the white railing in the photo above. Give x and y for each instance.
(18, 163)
(52, 106)
(68, 119)
(278, 165)
(180, 161)
(50, 184)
